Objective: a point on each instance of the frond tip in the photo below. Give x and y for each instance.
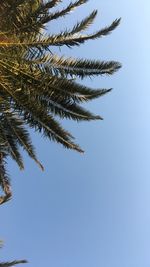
(12, 263)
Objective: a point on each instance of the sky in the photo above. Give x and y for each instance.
(92, 210)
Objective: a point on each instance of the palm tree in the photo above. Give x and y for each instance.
(37, 85)
(10, 263)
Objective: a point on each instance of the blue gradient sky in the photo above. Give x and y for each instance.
(92, 210)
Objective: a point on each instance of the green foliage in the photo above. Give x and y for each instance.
(36, 85)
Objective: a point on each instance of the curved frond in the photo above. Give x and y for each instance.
(84, 24)
(18, 131)
(12, 263)
(72, 40)
(51, 129)
(63, 38)
(76, 67)
(63, 12)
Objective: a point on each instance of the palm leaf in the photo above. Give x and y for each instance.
(12, 263)
(4, 178)
(63, 12)
(21, 135)
(78, 67)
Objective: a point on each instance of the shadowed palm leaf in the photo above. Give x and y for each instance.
(37, 85)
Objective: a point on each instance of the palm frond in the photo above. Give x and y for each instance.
(20, 134)
(39, 118)
(51, 129)
(12, 145)
(84, 24)
(76, 67)
(12, 263)
(4, 178)
(63, 38)
(63, 12)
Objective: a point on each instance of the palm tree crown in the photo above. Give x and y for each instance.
(37, 85)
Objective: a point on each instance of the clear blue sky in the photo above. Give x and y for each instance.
(92, 210)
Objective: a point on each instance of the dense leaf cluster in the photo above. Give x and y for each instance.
(37, 85)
